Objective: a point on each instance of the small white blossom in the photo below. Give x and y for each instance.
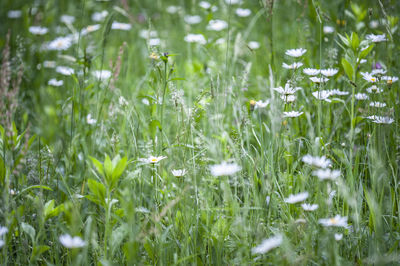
(195, 38)
(295, 65)
(268, 244)
(381, 119)
(152, 159)
(377, 104)
(287, 90)
(295, 52)
(319, 80)
(338, 237)
(390, 79)
(329, 72)
(311, 71)
(309, 207)
(292, 114)
(261, 104)
(67, 19)
(14, 14)
(368, 77)
(224, 169)
(376, 38)
(243, 12)
(326, 174)
(217, 25)
(146, 34)
(328, 29)
(71, 242)
(195, 19)
(288, 98)
(292, 199)
(179, 172)
(321, 162)
(38, 30)
(90, 120)
(374, 89)
(253, 45)
(60, 43)
(55, 82)
(172, 9)
(3, 230)
(66, 71)
(322, 95)
(233, 2)
(361, 96)
(90, 29)
(337, 221)
(102, 74)
(122, 101)
(120, 26)
(99, 16)
(338, 92)
(204, 4)
(154, 42)
(378, 71)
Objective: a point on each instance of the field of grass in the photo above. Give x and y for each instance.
(187, 132)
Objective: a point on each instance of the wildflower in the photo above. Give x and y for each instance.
(295, 65)
(14, 14)
(217, 25)
(71, 242)
(363, 61)
(179, 172)
(376, 38)
(189, 19)
(338, 92)
(66, 71)
(322, 95)
(224, 169)
(172, 9)
(288, 98)
(90, 29)
(122, 101)
(60, 43)
(253, 45)
(378, 71)
(120, 26)
(38, 30)
(324, 174)
(233, 2)
(368, 77)
(297, 198)
(374, 89)
(311, 71)
(146, 34)
(154, 42)
(309, 207)
(328, 29)
(329, 72)
(287, 90)
(260, 104)
(154, 56)
(295, 52)
(3, 230)
(381, 119)
(195, 38)
(49, 64)
(361, 96)
(55, 83)
(321, 162)
(377, 104)
(204, 4)
(338, 237)
(90, 120)
(67, 19)
(319, 80)
(243, 12)
(268, 244)
(337, 221)
(292, 114)
(152, 159)
(102, 74)
(99, 16)
(390, 79)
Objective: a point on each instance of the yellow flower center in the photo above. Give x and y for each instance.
(252, 102)
(333, 221)
(153, 160)
(389, 82)
(373, 79)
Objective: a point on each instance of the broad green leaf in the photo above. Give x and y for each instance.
(97, 189)
(29, 230)
(119, 169)
(355, 41)
(347, 68)
(48, 207)
(108, 167)
(98, 165)
(154, 124)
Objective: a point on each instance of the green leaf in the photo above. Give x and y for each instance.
(366, 51)
(347, 68)
(29, 230)
(98, 165)
(38, 250)
(355, 41)
(108, 167)
(32, 187)
(344, 40)
(119, 169)
(48, 207)
(154, 124)
(98, 190)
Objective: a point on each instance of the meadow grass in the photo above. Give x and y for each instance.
(192, 133)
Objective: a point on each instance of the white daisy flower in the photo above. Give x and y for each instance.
(374, 89)
(122, 101)
(378, 71)
(338, 92)
(295, 65)
(172, 9)
(322, 95)
(204, 4)
(363, 61)
(99, 16)
(337, 221)
(66, 71)
(195, 19)
(195, 38)
(233, 2)
(261, 104)
(154, 42)
(60, 44)
(329, 72)
(292, 199)
(390, 79)
(268, 244)
(328, 29)
(90, 120)
(90, 29)
(311, 71)
(376, 38)
(55, 82)
(3, 230)
(295, 52)
(309, 207)
(383, 120)
(217, 25)
(368, 77)
(38, 30)
(224, 169)
(292, 114)
(338, 237)
(67, 19)
(253, 45)
(178, 172)
(326, 174)
(377, 104)
(288, 98)
(361, 96)
(146, 34)
(321, 162)
(49, 64)
(14, 14)
(287, 90)
(102, 74)
(243, 12)
(120, 26)
(152, 159)
(319, 80)
(71, 242)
